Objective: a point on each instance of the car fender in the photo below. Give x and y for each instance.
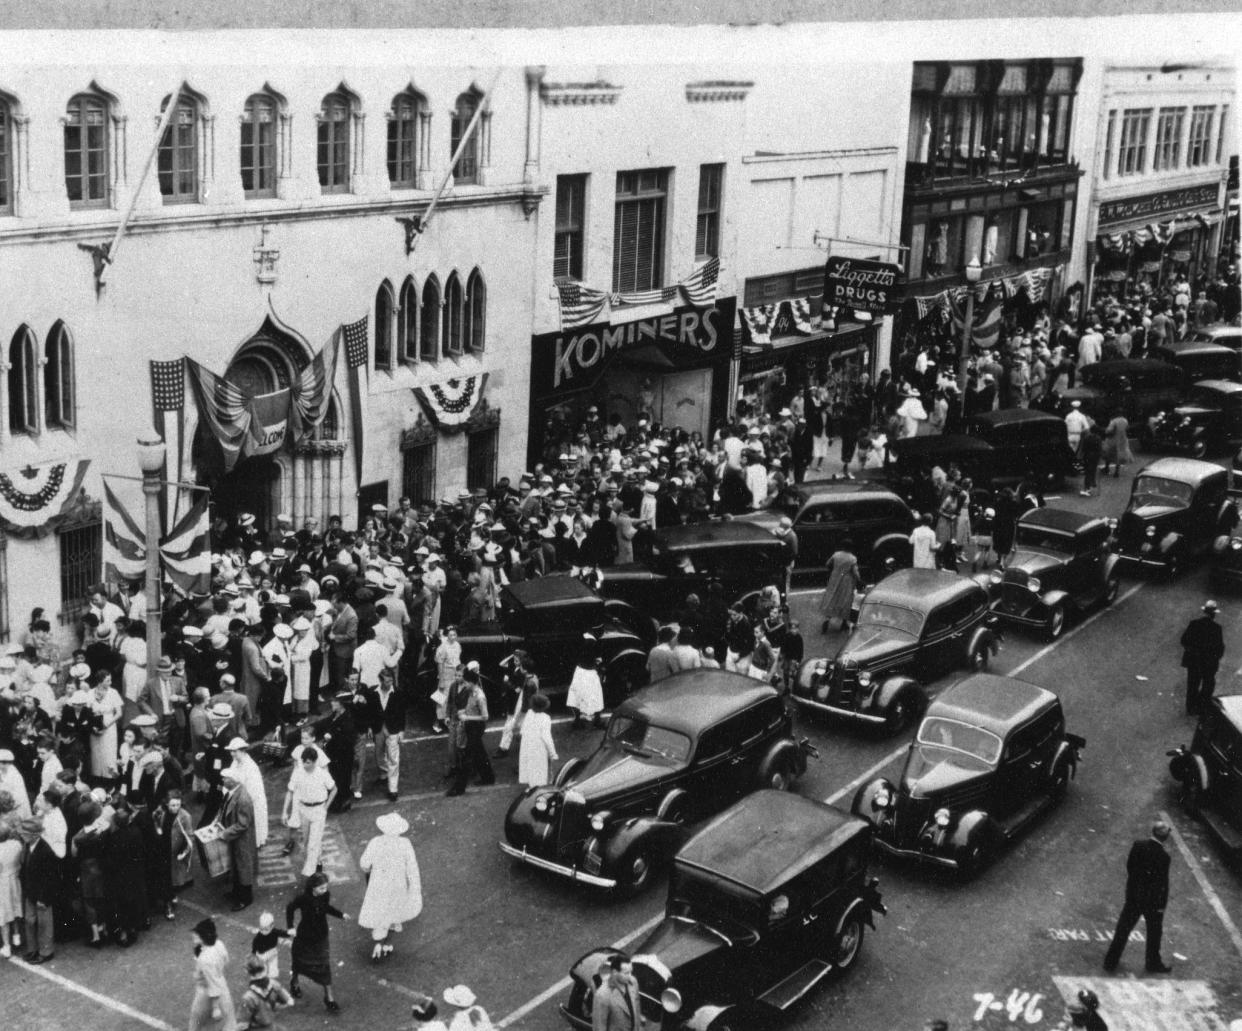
(889, 689)
(1187, 766)
(1110, 566)
(567, 770)
(968, 826)
(1050, 598)
(1169, 541)
(893, 544)
(861, 806)
(662, 837)
(984, 580)
(983, 637)
(860, 906)
(626, 654)
(780, 751)
(587, 966)
(1065, 753)
(705, 1016)
(675, 797)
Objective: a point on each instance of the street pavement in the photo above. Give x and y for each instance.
(1007, 949)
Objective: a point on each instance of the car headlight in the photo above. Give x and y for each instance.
(670, 1000)
(1158, 416)
(1235, 544)
(779, 909)
(599, 820)
(1151, 531)
(1186, 420)
(882, 799)
(942, 817)
(1112, 524)
(864, 679)
(541, 804)
(1033, 584)
(996, 577)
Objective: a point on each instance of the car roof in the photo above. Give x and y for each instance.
(992, 702)
(689, 701)
(552, 592)
(839, 490)
(705, 535)
(1220, 329)
(937, 443)
(1060, 519)
(1125, 366)
(1187, 470)
(1007, 416)
(1231, 706)
(1180, 347)
(932, 587)
(1223, 386)
(767, 839)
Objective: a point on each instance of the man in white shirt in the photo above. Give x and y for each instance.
(435, 580)
(1090, 347)
(1077, 423)
(371, 658)
(756, 476)
(923, 542)
(310, 792)
(107, 612)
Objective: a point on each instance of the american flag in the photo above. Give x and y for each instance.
(356, 343)
(168, 385)
(700, 287)
(580, 305)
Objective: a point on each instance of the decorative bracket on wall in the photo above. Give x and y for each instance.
(265, 257)
(530, 202)
(413, 226)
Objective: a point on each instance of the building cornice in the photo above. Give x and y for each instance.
(717, 91)
(767, 157)
(574, 94)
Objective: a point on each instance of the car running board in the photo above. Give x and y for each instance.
(784, 994)
(1228, 835)
(1014, 823)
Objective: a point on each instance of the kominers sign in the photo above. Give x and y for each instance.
(861, 284)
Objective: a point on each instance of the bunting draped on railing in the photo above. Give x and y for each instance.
(582, 305)
(33, 499)
(986, 320)
(450, 403)
(952, 302)
(1158, 232)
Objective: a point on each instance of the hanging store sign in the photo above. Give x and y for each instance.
(861, 284)
(1151, 204)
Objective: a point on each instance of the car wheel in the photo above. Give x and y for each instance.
(979, 659)
(849, 942)
(636, 872)
(898, 715)
(1056, 622)
(1111, 589)
(974, 859)
(781, 778)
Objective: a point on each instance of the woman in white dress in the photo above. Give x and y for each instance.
(133, 649)
(301, 649)
(537, 752)
(10, 885)
(586, 693)
(107, 707)
(394, 889)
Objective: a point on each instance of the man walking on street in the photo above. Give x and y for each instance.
(616, 1006)
(1147, 894)
(1203, 644)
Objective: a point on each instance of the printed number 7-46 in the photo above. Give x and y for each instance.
(1022, 1005)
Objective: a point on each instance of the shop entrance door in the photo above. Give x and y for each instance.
(685, 400)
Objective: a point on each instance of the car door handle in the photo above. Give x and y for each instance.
(810, 918)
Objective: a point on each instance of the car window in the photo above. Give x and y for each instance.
(818, 513)
(716, 741)
(954, 613)
(1156, 490)
(1030, 739)
(747, 726)
(785, 502)
(1044, 539)
(893, 617)
(645, 740)
(948, 735)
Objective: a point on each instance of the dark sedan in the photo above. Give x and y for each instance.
(1208, 422)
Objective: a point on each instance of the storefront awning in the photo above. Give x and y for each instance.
(758, 358)
(1121, 238)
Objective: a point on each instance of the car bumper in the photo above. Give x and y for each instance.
(916, 854)
(570, 872)
(1033, 614)
(836, 710)
(1148, 560)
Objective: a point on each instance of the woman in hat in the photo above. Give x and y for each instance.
(394, 893)
(469, 1015)
(212, 1008)
(106, 707)
(311, 953)
(301, 650)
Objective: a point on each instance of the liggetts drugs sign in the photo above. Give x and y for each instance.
(863, 285)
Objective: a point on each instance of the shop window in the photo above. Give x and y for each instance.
(1220, 132)
(999, 243)
(418, 472)
(383, 327)
(58, 379)
(638, 231)
(481, 451)
(451, 337)
(1014, 132)
(333, 143)
(476, 313)
(177, 160)
(23, 382)
(1168, 153)
(6, 158)
(81, 564)
(258, 146)
(404, 145)
(429, 321)
(1043, 228)
(1057, 113)
(407, 323)
(707, 227)
(467, 168)
(86, 151)
(1110, 143)
(1199, 146)
(943, 252)
(570, 227)
(1132, 151)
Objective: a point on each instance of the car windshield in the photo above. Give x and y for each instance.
(892, 617)
(1156, 490)
(647, 741)
(785, 502)
(955, 738)
(1043, 539)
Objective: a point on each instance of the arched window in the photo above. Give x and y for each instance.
(59, 395)
(476, 312)
(429, 322)
(383, 327)
(334, 143)
(6, 158)
(407, 324)
(86, 151)
(451, 340)
(258, 145)
(467, 168)
(178, 154)
(23, 382)
(405, 143)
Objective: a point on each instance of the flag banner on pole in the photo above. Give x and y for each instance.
(242, 425)
(355, 335)
(186, 550)
(168, 408)
(580, 305)
(125, 539)
(33, 499)
(450, 403)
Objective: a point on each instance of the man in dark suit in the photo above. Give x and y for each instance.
(339, 735)
(1147, 894)
(237, 828)
(1203, 644)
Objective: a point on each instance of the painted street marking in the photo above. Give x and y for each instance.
(426, 796)
(1091, 934)
(1019, 1005)
(1205, 885)
(1131, 1004)
(103, 1000)
(277, 870)
(1046, 649)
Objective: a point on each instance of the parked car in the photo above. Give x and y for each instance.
(744, 557)
(763, 904)
(1210, 771)
(672, 753)
(991, 754)
(1027, 445)
(1225, 571)
(1061, 566)
(1209, 421)
(1199, 359)
(547, 618)
(1178, 507)
(1136, 387)
(827, 513)
(912, 627)
(909, 473)
(1227, 334)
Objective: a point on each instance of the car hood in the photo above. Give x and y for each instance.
(768, 520)
(1151, 513)
(612, 770)
(868, 645)
(677, 945)
(1195, 411)
(934, 780)
(1032, 563)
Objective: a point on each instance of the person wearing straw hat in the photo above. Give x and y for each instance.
(394, 894)
(424, 1012)
(73, 729)
(252, 780)
(165, 698)
(237, 828)
(469, 1015)
(1203, 645)
(302, 650)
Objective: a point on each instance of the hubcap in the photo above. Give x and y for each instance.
(779, 780)
(1056, 620)
(847, 947)
(638, 870)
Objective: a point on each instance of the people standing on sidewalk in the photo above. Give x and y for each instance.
(1203, 646)
(388, 716)
(1147, 896)
(312, 957)
(339, 737)
(447, 659)
(394, 894)
(175, 832)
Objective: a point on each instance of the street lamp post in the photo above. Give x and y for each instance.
(973, 271)
(151, 462)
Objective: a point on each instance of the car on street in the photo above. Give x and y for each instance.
(1135, 387)
(827, 513)
(990, 756)
(1225, 333)
(912, 627)
(1209, 771)
(1178, 508)
(763, 904)
(1061, 567)
(1201, 360)
(1027, 445)
(1225, 563)
(672, 753)
(547, 617)
(1209, 421)
(914, 458)
(742, 556)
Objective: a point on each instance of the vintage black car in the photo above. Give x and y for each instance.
(827, 513)
(1225, 569)
(1178, 508)
(744, 557)
(1061, 566)
(1227, 334)
(914, 458)
(763, 904)
(1209, 421)
(1027, 445)
(991, 754)
(1210, 771)
(547, 617)
(1199, 359)
(1135, 387)
(672, 753)
(912, 627)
